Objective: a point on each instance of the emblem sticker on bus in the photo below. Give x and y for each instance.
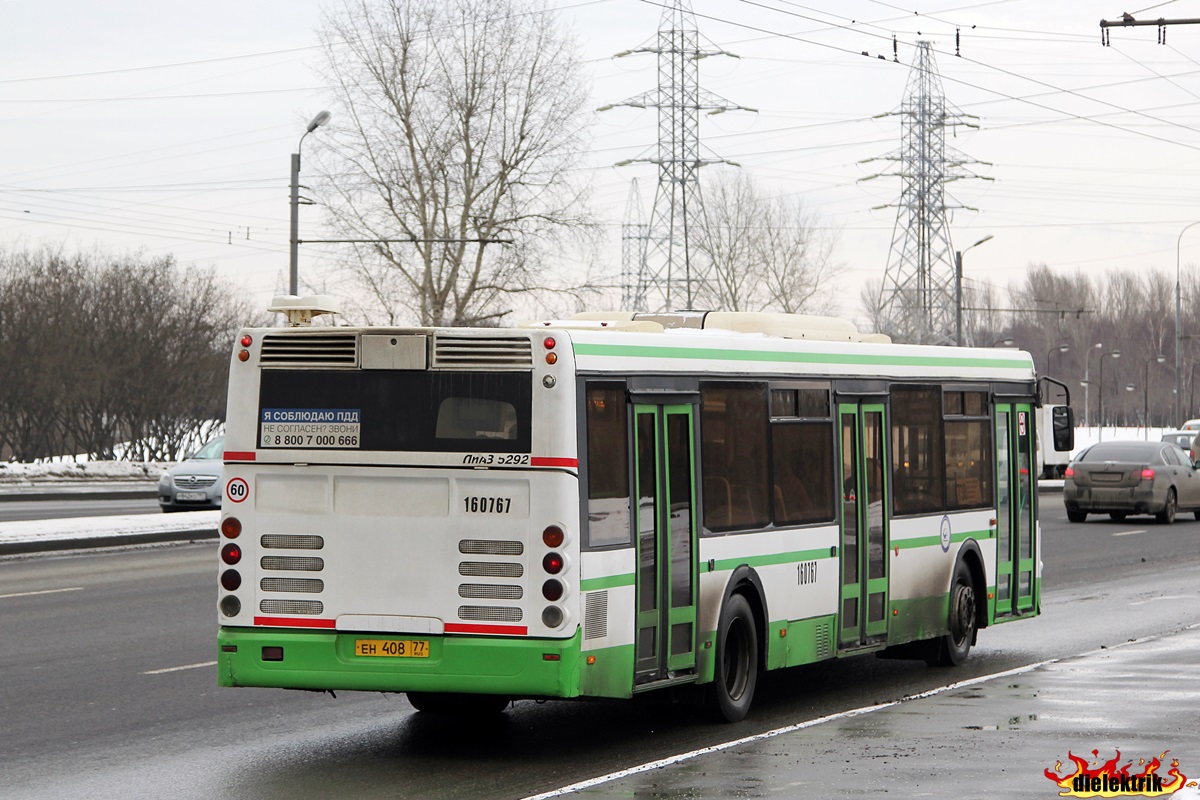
(310, 428)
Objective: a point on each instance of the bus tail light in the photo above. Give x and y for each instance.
(247, 340)
(552, 590)
(231, 579)
(231, 527)
(549, 343)
(553, 616)
(231, 554)
(553, 563)
(553, 536)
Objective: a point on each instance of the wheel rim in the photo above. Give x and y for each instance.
(962, 622)
(1170, 512)
(736, 659)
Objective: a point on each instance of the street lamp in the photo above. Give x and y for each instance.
(1179, 324)
(1146, 393)
(1114, 354)
(1062, 348)
(958, 289)
(1087, 384)
(294, 270)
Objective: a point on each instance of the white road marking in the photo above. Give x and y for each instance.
(1129, 533)
(43, 591)
(666, 762)
(177, 669)
(1164, 597)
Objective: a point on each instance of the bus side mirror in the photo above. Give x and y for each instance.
(1062, 421)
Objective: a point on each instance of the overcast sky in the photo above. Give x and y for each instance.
(167, 127)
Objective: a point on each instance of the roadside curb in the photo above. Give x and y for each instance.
(108, 540)
(16, 494)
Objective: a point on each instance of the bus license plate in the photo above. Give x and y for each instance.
(394, 648)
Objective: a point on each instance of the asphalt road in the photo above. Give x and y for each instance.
(108, 688)
(66, 508)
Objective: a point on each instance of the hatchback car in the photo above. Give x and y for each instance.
(1123, 478)
(195, 482)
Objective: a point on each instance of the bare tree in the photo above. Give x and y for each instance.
(111, 355)
(766, 252)
(458, 122)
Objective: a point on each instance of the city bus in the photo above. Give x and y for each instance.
(615, 504)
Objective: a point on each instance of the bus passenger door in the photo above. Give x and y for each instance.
(1016, 514)
(864, 526)
(665, 531)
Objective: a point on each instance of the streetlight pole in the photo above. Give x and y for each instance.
(294, 242)
(1146, 394)
(1062, 348)
(958, 278)
(1179, 325)
(1115, 354)
(1087, 384)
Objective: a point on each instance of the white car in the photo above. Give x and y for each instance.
(195, 482)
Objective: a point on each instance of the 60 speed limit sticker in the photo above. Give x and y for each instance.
(237, 490)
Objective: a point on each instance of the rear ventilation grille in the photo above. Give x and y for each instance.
(595, 615)
(307, 607)
(486, 614)
(293, 563)
(823, 643)
(290, 541)
(305, 585)
(485, 569)
(489, 591)
(486, 547)
(472, 352)
(310, 350)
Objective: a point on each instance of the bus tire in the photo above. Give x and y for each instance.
(953, 648)
(459, 705)
(736, 670)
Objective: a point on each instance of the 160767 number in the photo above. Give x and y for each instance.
(487, 505)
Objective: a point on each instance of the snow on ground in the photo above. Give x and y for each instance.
(72, 471)
(1089, 436)
(85, 531)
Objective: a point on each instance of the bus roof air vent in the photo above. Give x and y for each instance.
(301, 310)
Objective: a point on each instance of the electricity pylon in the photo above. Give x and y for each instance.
(920, 293)
(673, 274)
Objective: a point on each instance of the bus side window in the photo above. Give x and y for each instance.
(607, 465)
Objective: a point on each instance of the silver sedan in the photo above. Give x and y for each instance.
(1123, 478)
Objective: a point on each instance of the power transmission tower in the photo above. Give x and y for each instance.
(920, 294)
(635, 236)
(672, 274)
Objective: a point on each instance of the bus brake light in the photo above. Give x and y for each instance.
(549, 343)
(231, 554)
(552, 563)
(231, 527)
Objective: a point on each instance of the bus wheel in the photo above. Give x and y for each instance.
(952, 649)
(736, 672)
(460, 705)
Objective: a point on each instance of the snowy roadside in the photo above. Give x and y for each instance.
(39, 535)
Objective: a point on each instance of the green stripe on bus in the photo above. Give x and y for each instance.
(772, 559)
(606, 582)
(932, 541)
(723, 354)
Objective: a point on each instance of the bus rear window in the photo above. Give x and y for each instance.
(402, 410)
